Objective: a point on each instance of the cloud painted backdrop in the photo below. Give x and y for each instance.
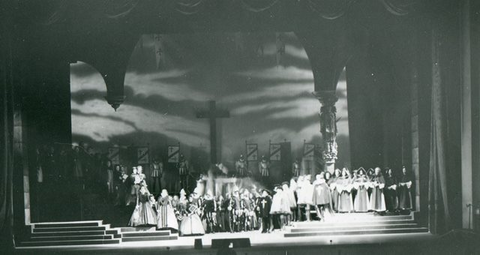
(266, 101)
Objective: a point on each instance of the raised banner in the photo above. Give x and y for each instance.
(309, 151)
(173, 154)
(252, 152)
(142, 155)
(275, 151)
(114, 155)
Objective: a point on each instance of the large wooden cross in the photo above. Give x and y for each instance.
(212, 114)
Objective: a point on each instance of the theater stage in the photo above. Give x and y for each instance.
(343, 231)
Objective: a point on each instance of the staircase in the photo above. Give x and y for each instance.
(140, 234)
(91, 233)
(72, 233)
(357, 224)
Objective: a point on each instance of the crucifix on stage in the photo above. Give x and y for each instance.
(212, 114)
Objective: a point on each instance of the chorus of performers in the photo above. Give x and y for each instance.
(303, 198)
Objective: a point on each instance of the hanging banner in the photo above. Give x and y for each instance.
(252, 152)
(173, 154)
(114, 155)
(275, 152)
(309, 151)
(143, 155)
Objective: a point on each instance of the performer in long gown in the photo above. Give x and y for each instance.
(332, 183)
(390, 190)
(322, 198)
(191, 223)
(361, 183)
(377, 200)
(293, 190)
(404, 190)
(143, 215)
(166, 217)
(290, 198)
(344, 186)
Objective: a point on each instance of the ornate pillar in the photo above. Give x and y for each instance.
(328, 127)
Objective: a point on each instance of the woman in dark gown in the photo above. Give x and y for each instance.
(143, 215)
(404, 188)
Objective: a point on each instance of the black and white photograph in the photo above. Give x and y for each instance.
(251, 127)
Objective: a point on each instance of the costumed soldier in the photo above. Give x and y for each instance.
(296, 168)
(264, 169)
(183, 172)
(263, 207)
(241, 167)
(157, 172)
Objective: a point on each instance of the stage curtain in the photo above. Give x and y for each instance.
(438, 200)
(6, 129)
(330, 9)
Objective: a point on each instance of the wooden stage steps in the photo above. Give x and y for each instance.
(356, 224)
(90, 233)
(139, 234)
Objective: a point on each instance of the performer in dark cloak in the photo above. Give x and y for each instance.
(236, 209)
(390, 190)
(229, 207)
(220, 214)
(119, 182)
(404, 190)
(209, 209)
(264, 205)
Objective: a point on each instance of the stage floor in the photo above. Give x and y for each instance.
(377, 231)
(275, 239)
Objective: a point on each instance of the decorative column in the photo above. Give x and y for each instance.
(328, 127)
